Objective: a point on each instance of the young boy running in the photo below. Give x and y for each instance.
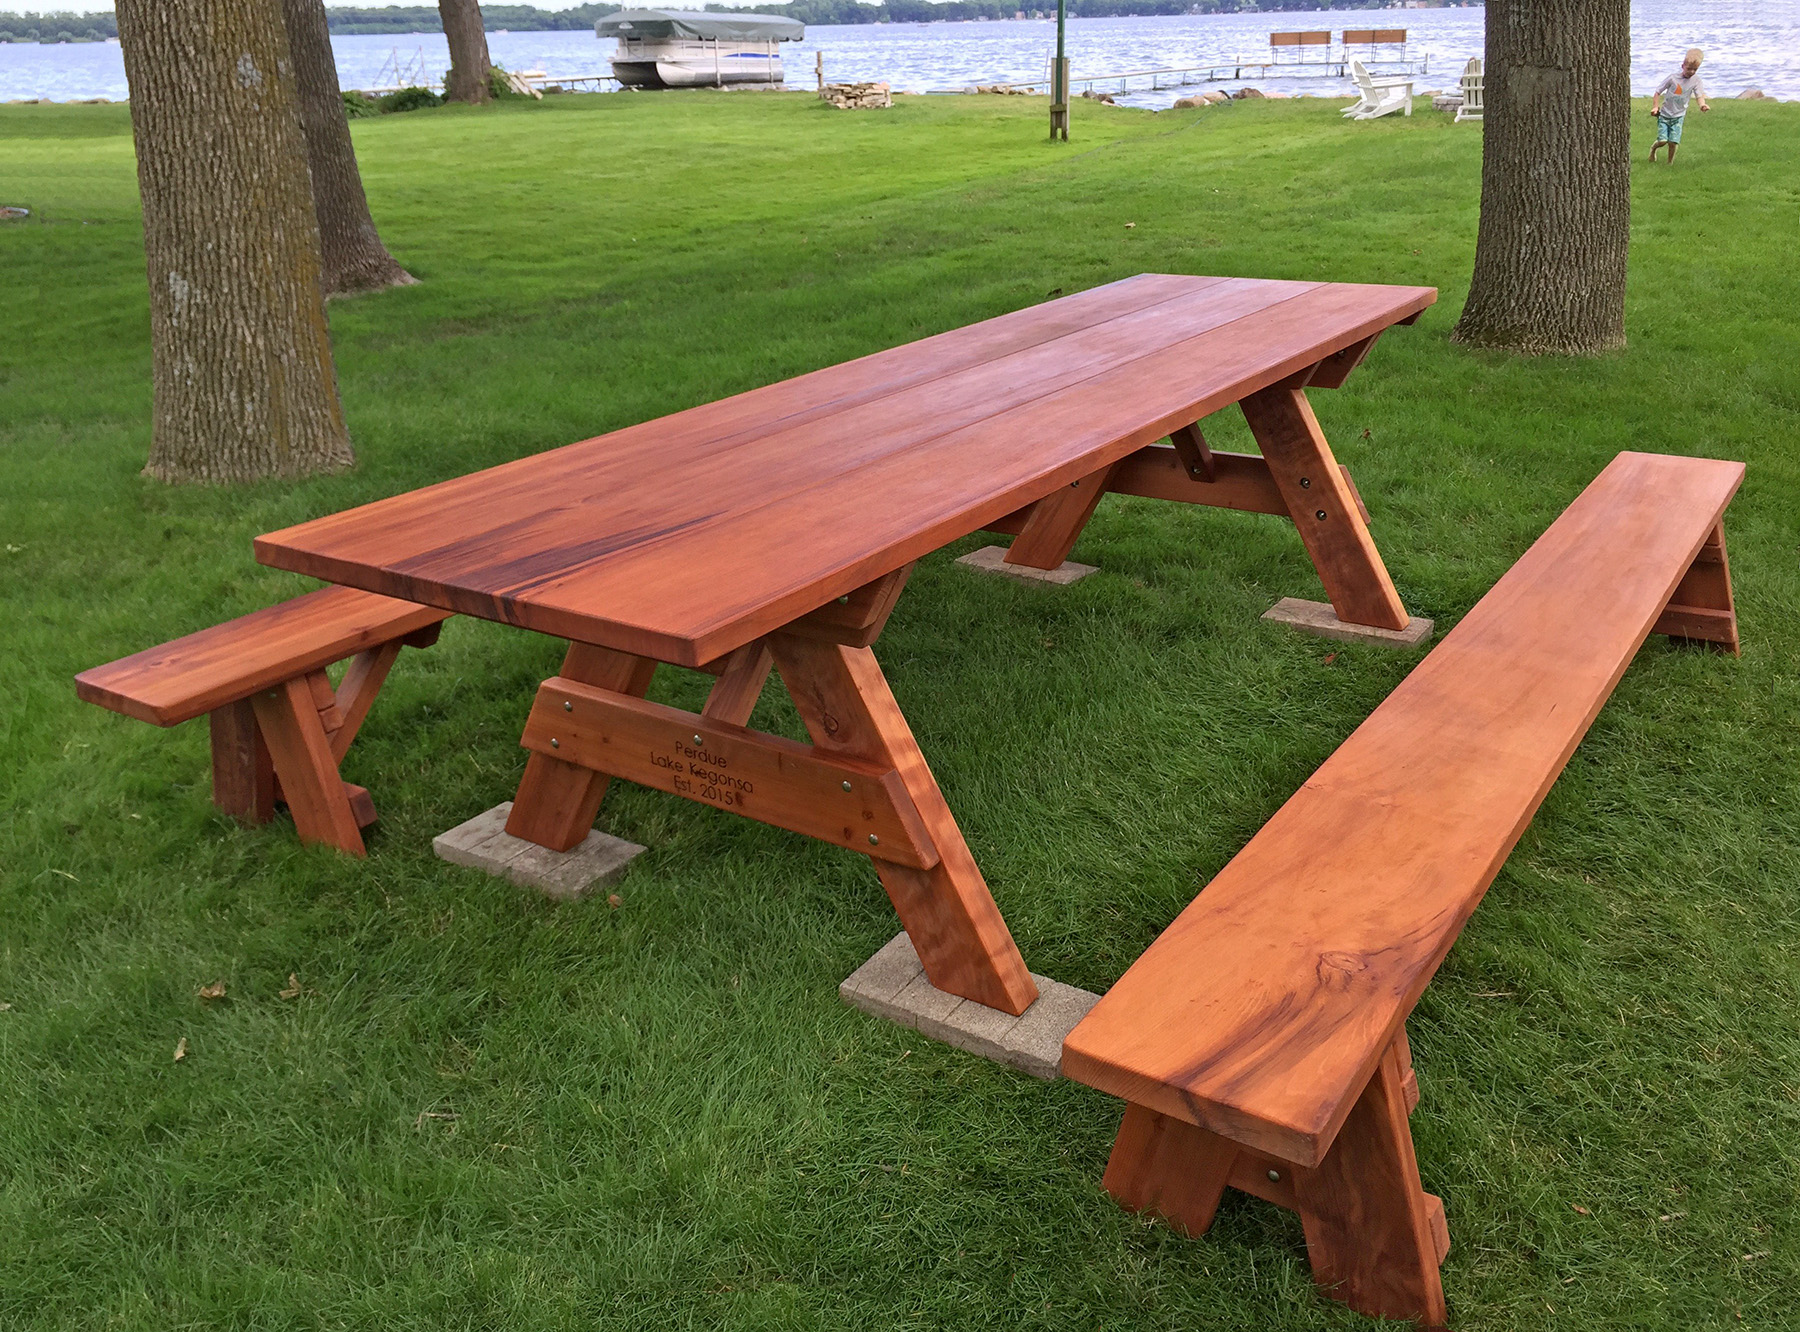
(1669, 102)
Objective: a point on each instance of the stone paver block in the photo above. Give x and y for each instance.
(892, 984)
(992, 559)
(483, 843)
(1317, 617)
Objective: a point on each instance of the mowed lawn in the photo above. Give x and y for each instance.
(486, 1111)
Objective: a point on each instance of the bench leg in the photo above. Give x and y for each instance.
(1055, 523)
(1702, 608)
(243, 775)
(1369, 1227)
(1324, 508)
(557, 802)
(289, 719)
(947, 910)
(1374, 1237)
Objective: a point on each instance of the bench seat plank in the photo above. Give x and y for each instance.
(1262, 1011)
(204, 671)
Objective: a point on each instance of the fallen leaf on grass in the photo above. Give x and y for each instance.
(181, 1049)
(5, 1008)
(210, 992)
(1579, 1208)
(1330, 657)
(614, 900)
(1752, 1257)
(1130, 225)
(293, 987)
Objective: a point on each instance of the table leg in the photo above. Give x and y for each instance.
(947, 910)
(557, 802)
(1324, 508)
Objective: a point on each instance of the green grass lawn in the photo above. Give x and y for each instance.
(486, 1111)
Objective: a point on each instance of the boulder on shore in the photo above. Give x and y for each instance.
(1754, 95)
(1249, 94)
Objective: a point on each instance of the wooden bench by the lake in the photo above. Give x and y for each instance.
(777, 528)
(1260, 1042)
(279, 726)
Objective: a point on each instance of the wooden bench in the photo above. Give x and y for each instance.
(279, 726)
(1261, 1040)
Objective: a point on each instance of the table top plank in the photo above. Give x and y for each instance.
(684, 538)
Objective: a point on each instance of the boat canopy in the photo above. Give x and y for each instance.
(662, 25)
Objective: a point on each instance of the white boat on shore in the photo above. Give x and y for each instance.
(669, 48)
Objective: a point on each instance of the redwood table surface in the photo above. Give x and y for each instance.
(686, 537)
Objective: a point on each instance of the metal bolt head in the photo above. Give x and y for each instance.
(1320, 515)
(1306, 483)
(698, 740)
(846, 786)
(1274, 1177)
(874, 840)
(555, 743)
(568, 706)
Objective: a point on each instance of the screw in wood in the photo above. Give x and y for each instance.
(874, 840)
(568, 706)
(846, 786)
(1274, 1177)
(1306, 483)
(698, 740)
(1320, 515)
(555, 743)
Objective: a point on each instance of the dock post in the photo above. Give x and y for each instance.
(819, 70)
(1059, 81)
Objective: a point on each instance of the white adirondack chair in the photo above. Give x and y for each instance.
(1378, 97)
(1471, 92)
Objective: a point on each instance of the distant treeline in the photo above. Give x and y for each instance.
(57, 27)
(66, 27)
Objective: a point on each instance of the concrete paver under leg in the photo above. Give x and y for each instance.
(892, 985)
(483, 843)
(1317, 617)
(992, 559)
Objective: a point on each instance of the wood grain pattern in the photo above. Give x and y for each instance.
(1324, 508)
(683, 539)
(192, 675)
(740, 684)
(860, 806)
(1261, 1012)
(947, 910)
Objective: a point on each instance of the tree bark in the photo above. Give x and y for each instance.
(467, 80)
(1555, 179)
(353, 257)
(242, 376)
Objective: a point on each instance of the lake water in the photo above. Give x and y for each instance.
(1749, 44)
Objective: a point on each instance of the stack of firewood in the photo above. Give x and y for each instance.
(857, 96)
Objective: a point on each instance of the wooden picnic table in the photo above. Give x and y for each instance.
(777, 527)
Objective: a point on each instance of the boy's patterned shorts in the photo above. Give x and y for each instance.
(1668, 129)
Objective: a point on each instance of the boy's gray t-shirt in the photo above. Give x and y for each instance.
(1675, 91)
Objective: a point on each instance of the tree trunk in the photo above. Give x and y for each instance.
(1555, 179)
(241, 354)
(467, 80)
(353, 256)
